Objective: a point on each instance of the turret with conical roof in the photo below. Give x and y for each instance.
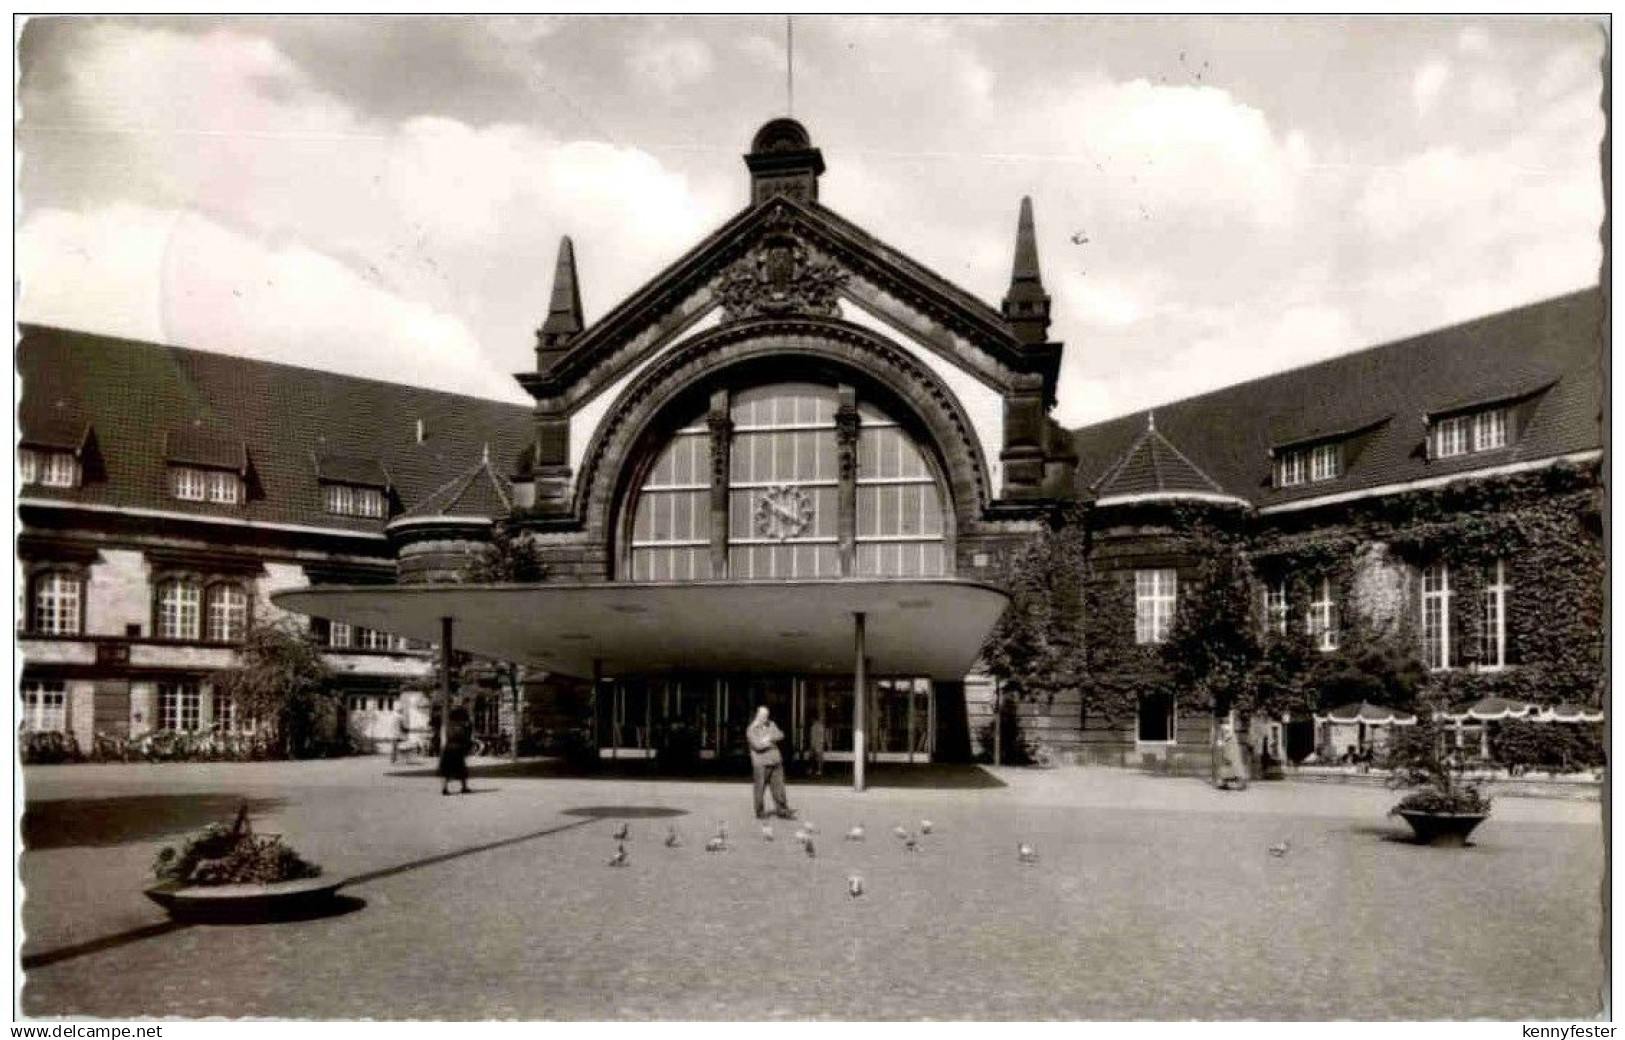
(1026, 305)
(564, 321)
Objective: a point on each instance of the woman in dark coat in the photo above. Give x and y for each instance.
(454, 756)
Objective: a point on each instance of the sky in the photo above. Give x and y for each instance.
(1216, 198)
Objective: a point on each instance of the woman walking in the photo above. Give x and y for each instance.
(1232, 767)
(454, 756)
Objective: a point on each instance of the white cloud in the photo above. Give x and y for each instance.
(1430, 78)
(670, 63)
(174, 277)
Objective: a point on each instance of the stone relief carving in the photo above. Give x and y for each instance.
(776, 278)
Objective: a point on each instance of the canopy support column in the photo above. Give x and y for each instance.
(860, 683)
(445, 678)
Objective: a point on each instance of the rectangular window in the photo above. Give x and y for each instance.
(1493, 635)
(45, 707)
(350, 500)
(1450, 437)
(190, 485)
(59, 469)
(179, 610)
(1155, 592)
(228, 613)
(1325, 461)
(1436, 616)
(56, 604)
(27, 466)
(1490, 429)
(1292, 469)
(339, 634)
(223, 487)
(1275, 612)
(225, 711)
(1323, 616)
(370, 639)
(180, 706)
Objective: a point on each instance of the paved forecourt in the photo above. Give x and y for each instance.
(1150, 898)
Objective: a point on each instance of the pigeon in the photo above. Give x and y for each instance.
(622, 832)
(911, 843)
(619, 859)
(809, 826)
(801, 835)
(717, 844)
(1026, 853)
(901, 832)
(672, 841)
(854, 885)
(1280, 849)
(812, 853)
(925, 826)
(767, 832)
(856, 833)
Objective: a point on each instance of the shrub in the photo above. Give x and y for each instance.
(222, 855)
(1417, 757)
(1548, 746)
(48, 748)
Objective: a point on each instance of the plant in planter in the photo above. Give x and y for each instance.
(1445, 807)
(230, 873)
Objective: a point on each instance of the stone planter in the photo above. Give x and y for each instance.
(245, 904)
(1442, 828)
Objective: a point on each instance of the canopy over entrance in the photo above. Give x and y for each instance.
(925, 627)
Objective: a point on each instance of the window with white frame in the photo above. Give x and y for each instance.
(190, 484)
(339, 634)
(1450, 436)
(1275, 611)
(227, 613)
(1155, 594)
(1490, 429)
(370, 639)
(1493, 634)
(47, 468)
(1436, 615)
(1323, 615)
(45, 706)
(1325, 462)
(224, 709)
(1291, 468)
(180, 706)
(223, 487)
(179, 609)
(58, 602)
(354, 500)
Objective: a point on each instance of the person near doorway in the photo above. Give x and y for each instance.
(816, 738)
(397, 732)
(454, 756)
(1232, 766)
(767, 765)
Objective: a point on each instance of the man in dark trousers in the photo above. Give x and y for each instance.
(766, 764)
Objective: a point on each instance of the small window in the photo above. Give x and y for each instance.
(339, 635)
(1493, 635)
(227, 613)
(58, 598)
(1155, 593)
(1436, 616)
(190, 485)
(47, 468)
(1450, 437)
(352, 500)
(219, 486)
(1325, 462)
(179, 613)
(223, 487)
(1322, 624)
(1490, 430)
(27, 466)
(1275, 612)
(225, 711)
(180, 707)
(45, 707)
(1292, 468)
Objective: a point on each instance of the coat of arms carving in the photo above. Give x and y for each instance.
(779, 277)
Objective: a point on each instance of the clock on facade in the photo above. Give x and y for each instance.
(783, 511)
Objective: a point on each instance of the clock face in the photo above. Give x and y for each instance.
(783, 512)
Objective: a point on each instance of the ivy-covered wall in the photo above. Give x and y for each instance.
(1066, 650)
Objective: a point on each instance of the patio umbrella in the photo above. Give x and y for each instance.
(1492, 709)
(1368, 713)
(1569, 713)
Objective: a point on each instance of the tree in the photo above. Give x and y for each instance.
(281, 681)
(1213, 652)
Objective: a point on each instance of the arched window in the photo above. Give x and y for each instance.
(58, 603)
(786, 493)
(179, 609)
(227, 612)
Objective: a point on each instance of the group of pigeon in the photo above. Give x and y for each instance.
(804, 836)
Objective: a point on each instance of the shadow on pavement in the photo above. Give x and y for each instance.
(624, 812)
(942, 775)
(117, 821)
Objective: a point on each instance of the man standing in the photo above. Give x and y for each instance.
(766, 764)
(816, 740)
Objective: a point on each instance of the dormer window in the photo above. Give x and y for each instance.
(1309, 465)
(1490, 429)
(1467, 432)
(192, 484)
(47, 468)
(350, 500)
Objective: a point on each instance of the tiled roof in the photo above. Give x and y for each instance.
(136, 394)
(62, 428)
(199, 447)
(347, 469)
(476, 492)
(1152, 466)
(1228, 434)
